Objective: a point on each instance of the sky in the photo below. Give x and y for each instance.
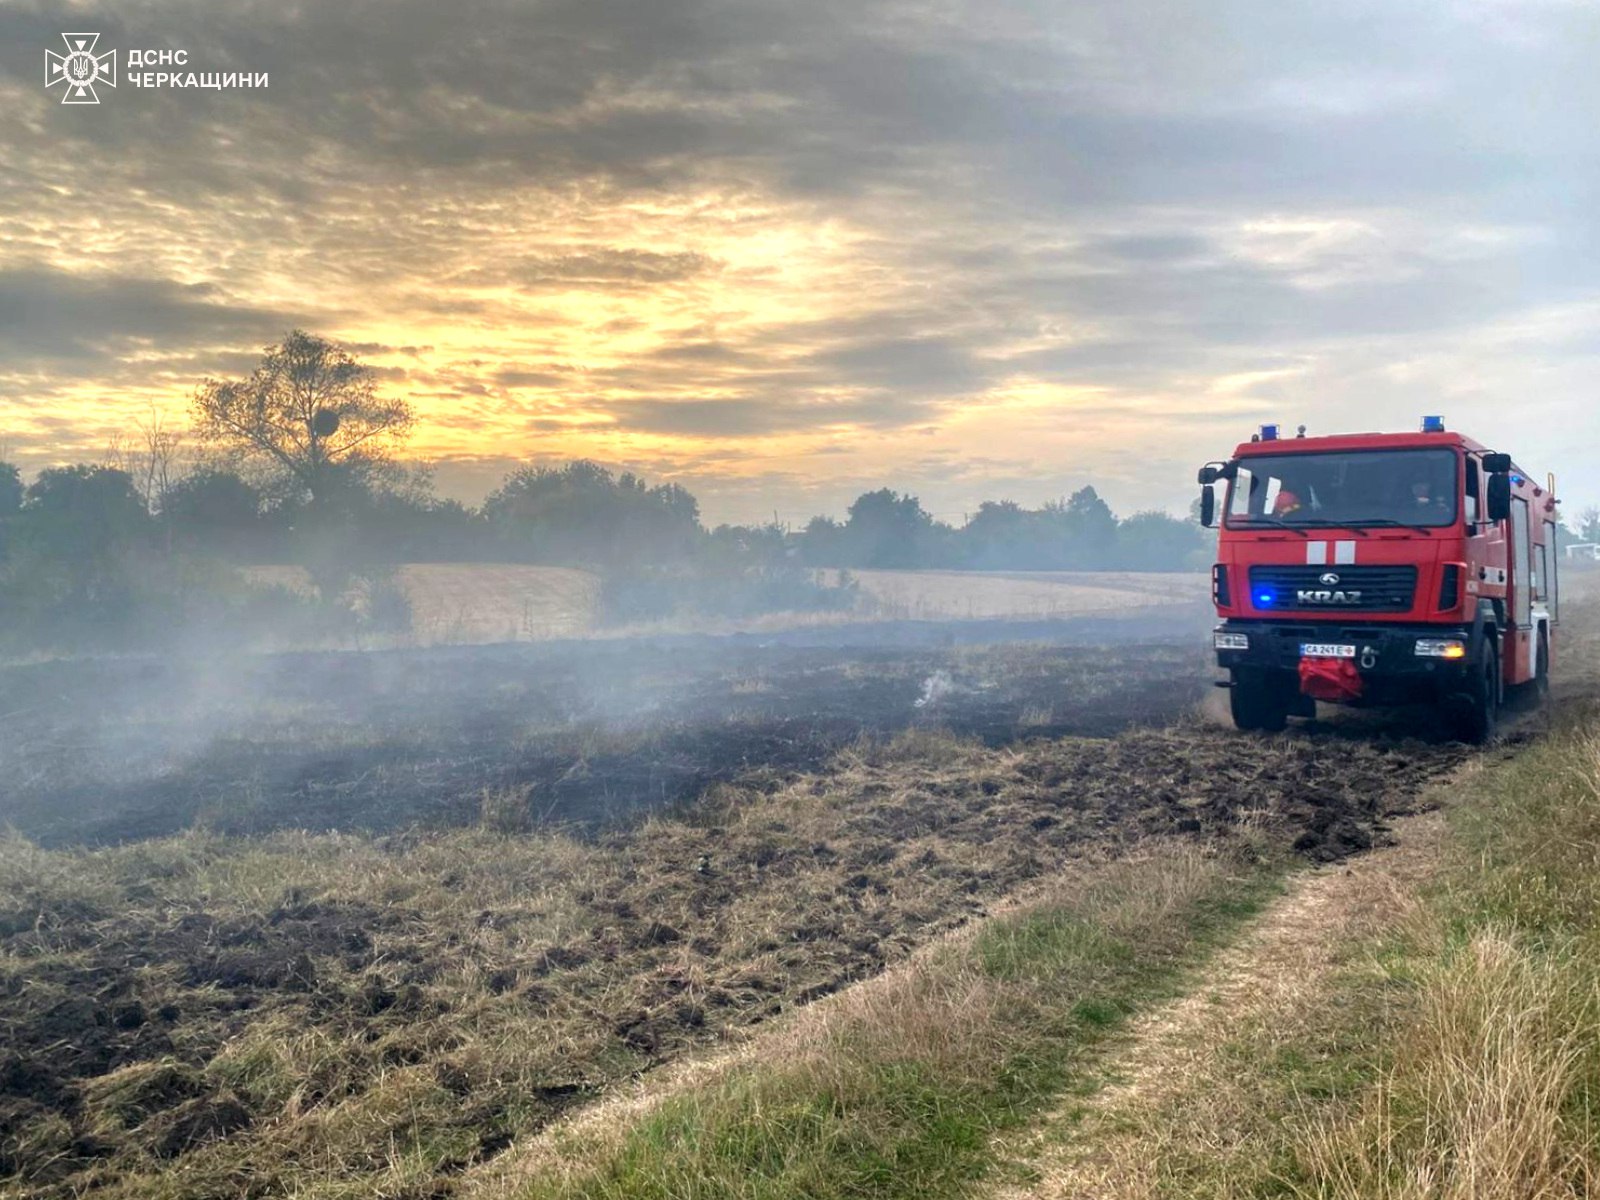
(785, 252)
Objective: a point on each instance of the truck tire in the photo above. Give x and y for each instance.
(1479, 705)
(1259, 702)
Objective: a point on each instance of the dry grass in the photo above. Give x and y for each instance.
(1487, 1094)
(1424, 1025)
(891, 1088)
(968, 595)
(374, 1015)
(1199, 1087)
(469, 603)
(1489, 1081)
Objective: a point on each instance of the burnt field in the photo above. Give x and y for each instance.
(558, 869)
(588, 731)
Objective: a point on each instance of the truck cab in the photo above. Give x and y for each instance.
(1380, 568)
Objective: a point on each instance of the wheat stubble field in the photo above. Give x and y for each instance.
(481, 603)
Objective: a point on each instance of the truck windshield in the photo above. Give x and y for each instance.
(1362, 487)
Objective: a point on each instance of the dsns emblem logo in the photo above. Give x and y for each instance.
(80, 68)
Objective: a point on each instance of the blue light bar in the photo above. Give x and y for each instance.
(1432, 424)
(1269, 433)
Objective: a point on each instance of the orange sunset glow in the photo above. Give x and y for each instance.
(782, 254)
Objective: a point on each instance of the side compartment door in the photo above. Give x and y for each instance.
(1524, 582)
(1550, 560)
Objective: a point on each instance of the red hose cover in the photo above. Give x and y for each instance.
(1331, 679)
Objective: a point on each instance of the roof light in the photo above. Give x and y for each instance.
(1269, 433)
(1432, 424)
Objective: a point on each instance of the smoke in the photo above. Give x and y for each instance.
(935, 688)
(209, 734)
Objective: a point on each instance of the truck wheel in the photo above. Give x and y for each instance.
(1259, 703)
(1480, 703)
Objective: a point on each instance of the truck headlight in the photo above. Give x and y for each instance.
(1441, 648)
(1231, 641)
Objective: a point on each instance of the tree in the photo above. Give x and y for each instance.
(10, 500)
(1086, 529)
(582, 514)
(310, 410)
(213, 510)
(85, 510)
(732, 546)
(1000, 535)
(1588, 529)
(886, 529)
(1157, 541)
(821, 544)
(80, 535)
(151, 461)
(10, 490)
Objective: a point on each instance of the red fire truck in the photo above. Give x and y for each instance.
(1381, 568)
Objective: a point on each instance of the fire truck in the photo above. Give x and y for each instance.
(1381, 568)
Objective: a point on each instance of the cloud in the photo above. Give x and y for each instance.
(79, 320)
(516, 377)
(629, 229)
(603, 266)
(750, 417)
(925, 365)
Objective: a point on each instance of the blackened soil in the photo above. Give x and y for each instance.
(108, 751)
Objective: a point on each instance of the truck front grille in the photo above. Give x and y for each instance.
(1333, 589)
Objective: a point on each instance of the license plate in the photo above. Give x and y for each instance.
(1319, 650)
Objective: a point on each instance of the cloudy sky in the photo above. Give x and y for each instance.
(784, 251)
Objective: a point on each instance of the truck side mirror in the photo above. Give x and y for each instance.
(1208, 507)
(1499, 500)
(1497, 464)
(1209, 474)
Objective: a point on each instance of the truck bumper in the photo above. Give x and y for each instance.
(1391, 670)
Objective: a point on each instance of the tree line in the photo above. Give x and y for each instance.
(299, 463)
(577, 514)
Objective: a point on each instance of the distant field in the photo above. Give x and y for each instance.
(943, 595)
(1580, 580)
(474, 603)
(478, 603)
